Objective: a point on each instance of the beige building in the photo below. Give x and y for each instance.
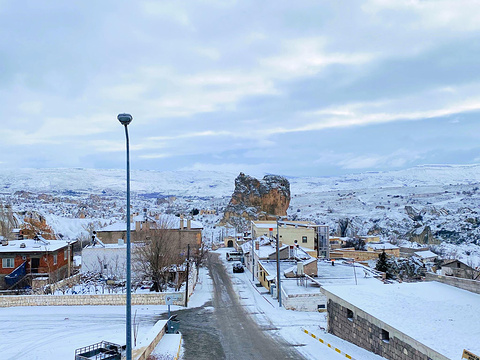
(372, 252)
(144, 227)
(302, 233)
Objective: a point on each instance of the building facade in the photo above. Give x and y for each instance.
(51, 259)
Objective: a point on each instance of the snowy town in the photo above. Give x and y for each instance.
(240, 180)
(325, 291)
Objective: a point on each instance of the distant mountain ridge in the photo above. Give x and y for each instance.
(220, 184)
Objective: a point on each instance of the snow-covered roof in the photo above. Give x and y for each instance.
(169, 221)
(273, 224)
(107, 246)
(425, 254)
(14, 246)
(381, 246)
(118, 226)
(440, 316)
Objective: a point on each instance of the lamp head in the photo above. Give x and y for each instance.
(125, 119)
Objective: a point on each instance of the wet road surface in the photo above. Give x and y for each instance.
(221, 329)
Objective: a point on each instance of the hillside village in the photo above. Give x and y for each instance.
(308, 246)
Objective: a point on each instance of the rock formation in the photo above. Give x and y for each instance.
(255, 199)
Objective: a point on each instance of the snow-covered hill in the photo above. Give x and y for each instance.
(441, 201)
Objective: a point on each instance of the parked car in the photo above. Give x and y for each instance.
(238, 267)
(234, 256)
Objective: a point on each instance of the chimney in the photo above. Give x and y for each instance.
(189, 224)
(138, 225)
(181, 222)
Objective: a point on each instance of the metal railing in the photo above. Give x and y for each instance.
(103, 350)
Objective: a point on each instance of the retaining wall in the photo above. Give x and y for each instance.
(465, 284)
(80, 300)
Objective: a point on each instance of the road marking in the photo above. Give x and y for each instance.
(329, 345)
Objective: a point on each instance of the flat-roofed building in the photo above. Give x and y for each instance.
(407, 321)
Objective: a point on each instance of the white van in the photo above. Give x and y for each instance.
(234, 256)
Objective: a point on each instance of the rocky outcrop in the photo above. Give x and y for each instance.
(422, 235)
(255, 199)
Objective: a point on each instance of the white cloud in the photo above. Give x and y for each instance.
(251, 169)
(454, 15)
(307, 56)
(394, 160)
(167, 10)
(31, 107)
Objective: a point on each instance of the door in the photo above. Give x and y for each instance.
(34, 264)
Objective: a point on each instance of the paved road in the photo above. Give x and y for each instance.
(221, 329)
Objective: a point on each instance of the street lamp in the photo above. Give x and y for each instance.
(126, 119)
(279, 286)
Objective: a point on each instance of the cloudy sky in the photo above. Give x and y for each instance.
(289, 87)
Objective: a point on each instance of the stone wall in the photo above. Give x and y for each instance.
(367, 332)
(97, 299)
(39, 283)
(465, 284)
(80, 300)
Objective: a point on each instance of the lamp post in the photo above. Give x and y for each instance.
(279, 286)
(126, 119)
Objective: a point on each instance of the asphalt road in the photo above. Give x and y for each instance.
(221, 329)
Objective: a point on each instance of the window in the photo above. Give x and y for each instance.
(349, 314)
(304, 239)
(8, 263)
(64, 254)
(321, 306)
(55, 259)
(385, 336)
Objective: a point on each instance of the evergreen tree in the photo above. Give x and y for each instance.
(382, 263)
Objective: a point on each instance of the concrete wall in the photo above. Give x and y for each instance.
(305, 302)
(147, 344)
(365, 331)
(108, 261)
(465, 284)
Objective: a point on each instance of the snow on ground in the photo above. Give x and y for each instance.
(168, 347)
(264, 309)
(203, 290)
(45, 333)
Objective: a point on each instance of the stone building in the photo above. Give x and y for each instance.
(408, 321)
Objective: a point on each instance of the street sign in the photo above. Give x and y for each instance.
(469, 356)
(170, 298)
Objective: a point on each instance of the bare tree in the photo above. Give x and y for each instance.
(161, 250)
(7, 221)
(200, 256)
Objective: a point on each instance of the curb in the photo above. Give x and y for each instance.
(329, 345)
(179, 349)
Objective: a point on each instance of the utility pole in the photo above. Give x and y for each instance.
(253, 253)
(188, 268)
(279, 287)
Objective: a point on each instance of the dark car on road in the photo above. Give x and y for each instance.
(238, 267)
